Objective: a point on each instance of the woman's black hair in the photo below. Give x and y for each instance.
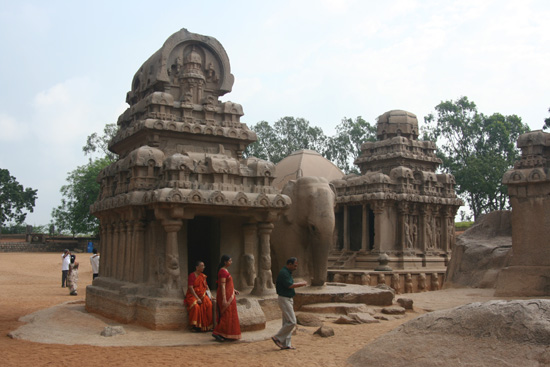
(224, 259)
(197, 263)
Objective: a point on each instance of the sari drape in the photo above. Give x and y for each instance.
(200, 315)
(228, 319)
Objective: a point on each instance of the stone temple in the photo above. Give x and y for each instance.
(397, 217)
(181, 190)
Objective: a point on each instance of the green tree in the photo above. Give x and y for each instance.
(73, 215)
(14, 199)
(477, 149)
(345, 146)
(100, 143)
(286, 136)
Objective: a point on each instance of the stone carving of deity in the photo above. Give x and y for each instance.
(408, 283)
(395, 284)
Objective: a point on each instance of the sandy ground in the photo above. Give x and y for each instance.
(31, 282)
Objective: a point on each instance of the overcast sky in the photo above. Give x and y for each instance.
(66, 65)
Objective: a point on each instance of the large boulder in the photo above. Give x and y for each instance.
(481, 252)
(495, 333)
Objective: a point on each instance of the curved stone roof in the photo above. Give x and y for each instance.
(397, 123)
(305, 163)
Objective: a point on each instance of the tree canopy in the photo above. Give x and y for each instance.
(82, 189)
(73, 215)
(477, 149)
(14, 199)
(290, 134)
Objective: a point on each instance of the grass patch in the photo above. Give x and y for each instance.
(462, 226)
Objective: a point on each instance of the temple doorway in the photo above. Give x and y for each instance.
(203, 243)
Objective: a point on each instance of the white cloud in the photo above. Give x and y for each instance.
(10, 129)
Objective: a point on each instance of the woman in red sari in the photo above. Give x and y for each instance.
(197, 301)
(228, 327)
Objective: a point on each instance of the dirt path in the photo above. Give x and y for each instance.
(31, 281)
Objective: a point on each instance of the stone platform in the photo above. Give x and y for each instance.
(148, 307)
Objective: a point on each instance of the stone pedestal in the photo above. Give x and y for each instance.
(529, 190)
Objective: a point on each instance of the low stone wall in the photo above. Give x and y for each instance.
(80, 245)
(401, 281)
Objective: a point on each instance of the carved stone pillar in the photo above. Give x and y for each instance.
(402, 226)
(105, 247)
(129, 251)
(346, 246)
(422, 218)
(115, 250)
(378, 209)
(171, 262)
(121, 262)
(139, 252)
(263, 283)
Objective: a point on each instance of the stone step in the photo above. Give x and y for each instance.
(335, 307)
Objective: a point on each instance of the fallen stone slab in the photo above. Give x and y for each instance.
(337, 308)
(343, 293)
(393, 310)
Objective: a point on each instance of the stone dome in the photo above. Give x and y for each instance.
(397, 123)
(305, 163)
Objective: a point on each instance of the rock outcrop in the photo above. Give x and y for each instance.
(481, 252)
(495, 333)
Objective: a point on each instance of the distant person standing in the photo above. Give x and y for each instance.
(285, 290)
(94, 260)
(72, 277)
(65, 261)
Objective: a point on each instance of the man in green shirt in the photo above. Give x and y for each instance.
(285, 289)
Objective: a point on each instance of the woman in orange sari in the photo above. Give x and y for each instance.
(228, 327)
(197, 301)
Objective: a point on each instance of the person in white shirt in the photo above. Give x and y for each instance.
(94, 260)
(65, 261)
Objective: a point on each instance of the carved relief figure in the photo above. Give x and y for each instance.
(414, 229)
(434, 286)
(306, 229)
(408, 283)
(338, 278)
(381, 279)
(249, 270)
(450, 233)
(265, 274)
(395, 283)
(407, 230)
(365, 279)
(422, 282)
(350, 279)
(429, 232)
(172, 272)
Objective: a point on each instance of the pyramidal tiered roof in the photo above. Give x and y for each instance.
(178, 143)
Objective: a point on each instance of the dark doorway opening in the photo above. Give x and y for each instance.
(355, 227)
(203, 243)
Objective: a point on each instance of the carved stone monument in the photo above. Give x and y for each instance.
(181, 190)
(398, 205)
(528, 273)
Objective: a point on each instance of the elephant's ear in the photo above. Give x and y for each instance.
(333, 188)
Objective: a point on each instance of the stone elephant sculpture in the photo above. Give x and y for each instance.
(306, 229)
